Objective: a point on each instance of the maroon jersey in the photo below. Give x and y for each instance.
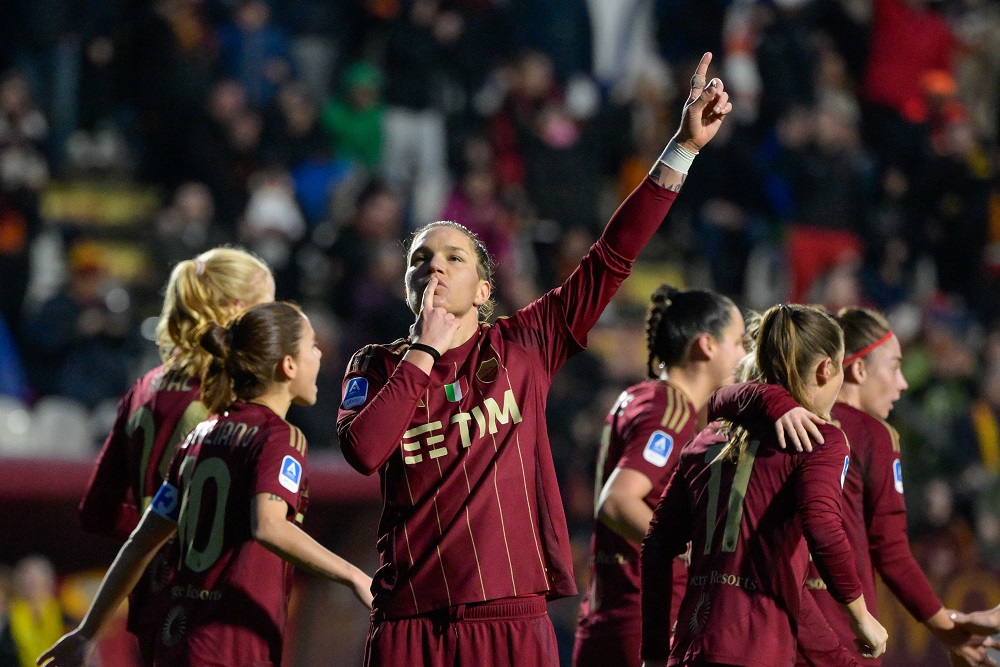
(228, 595)
(153, 417)
(472, 510)
(645, 432)
(874, 514)
(745, 520)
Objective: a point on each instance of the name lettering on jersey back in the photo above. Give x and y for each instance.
(715, 578)
(228, 434)
(177, 382)
(427, 438)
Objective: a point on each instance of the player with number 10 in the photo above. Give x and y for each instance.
(235, 495)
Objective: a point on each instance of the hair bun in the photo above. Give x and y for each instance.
(216, 340)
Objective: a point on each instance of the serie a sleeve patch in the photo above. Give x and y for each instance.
(658, 448)
(355, 394)
(166, 502)
(291, 474)
(897, 474)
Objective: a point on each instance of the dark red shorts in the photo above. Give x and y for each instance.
(512, 631)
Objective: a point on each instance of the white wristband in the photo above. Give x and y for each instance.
(677, 157)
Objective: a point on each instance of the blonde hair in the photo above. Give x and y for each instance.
(791, 339)
(212, 288)
(746, 369)
(862, 327)
(788, 339)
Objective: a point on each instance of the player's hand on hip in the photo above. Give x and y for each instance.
(435, 326)
(706, 107)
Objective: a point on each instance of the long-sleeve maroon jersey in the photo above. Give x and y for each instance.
(644, 431)
(153, 417)
(874, 514)
(472, 510)
(227, 600)
(746, 521)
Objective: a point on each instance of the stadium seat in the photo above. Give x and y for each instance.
(16, 438)
(61, 428)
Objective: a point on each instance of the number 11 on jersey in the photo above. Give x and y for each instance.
(737, 494)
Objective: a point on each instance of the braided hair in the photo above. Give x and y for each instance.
(676, 318)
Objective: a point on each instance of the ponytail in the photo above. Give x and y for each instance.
(791, 339)
(211, 288)
(243, 357)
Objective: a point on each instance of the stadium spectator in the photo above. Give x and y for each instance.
(413, 125)
(353, 119)
(452, 584)
(77, 343)
(255, 51)
(227, 598)
(185, 228)
(908, 39)
(36, 617)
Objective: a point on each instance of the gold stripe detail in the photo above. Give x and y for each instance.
(668, 413)
(681, 410)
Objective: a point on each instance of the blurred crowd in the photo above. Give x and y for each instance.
(860, 166)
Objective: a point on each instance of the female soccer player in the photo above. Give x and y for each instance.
(234, 495)
(744, 504)
(473, 537)
(874, 509)
(163, 406)
(695, 340)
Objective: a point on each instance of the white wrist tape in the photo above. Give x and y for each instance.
(677, 157)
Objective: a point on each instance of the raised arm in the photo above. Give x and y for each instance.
(376, 409)
(572, 309)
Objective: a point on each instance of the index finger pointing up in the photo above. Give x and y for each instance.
(700, 77)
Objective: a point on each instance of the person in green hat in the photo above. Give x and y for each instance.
(353, 122)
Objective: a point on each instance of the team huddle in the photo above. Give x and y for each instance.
(750, 542)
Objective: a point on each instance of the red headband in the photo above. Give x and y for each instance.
(865, 350)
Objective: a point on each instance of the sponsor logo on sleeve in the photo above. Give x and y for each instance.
(166, 502)
(291, 474)
(658, 448)
(356, 394)
(897, 474)
(843, 475)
